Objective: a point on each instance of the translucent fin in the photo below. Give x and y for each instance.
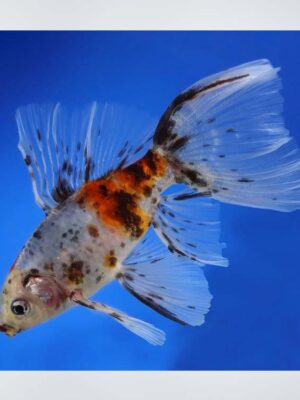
(189, 225)
(228, 137)
(63, 149)
(170, 284)
(146, 331)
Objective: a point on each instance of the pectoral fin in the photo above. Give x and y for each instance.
(140, 328)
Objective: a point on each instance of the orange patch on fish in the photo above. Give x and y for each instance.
(116, 198)
(141, 176)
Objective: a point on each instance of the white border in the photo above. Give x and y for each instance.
(149, 14)
(150, 385)
(162, 15)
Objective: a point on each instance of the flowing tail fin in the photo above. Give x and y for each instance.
(225, 137)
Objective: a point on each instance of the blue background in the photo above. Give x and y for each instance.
(254, 319)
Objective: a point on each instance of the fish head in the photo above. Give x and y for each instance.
(29, 299)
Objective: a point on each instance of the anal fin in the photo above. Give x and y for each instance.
(188, 223)
(171, 285)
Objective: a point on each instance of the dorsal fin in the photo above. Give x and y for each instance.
(63, 149)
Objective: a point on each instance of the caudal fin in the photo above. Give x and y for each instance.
(225, 136)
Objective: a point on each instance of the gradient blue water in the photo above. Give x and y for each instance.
(254, 320)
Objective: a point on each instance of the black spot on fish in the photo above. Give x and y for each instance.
(62, 190)
(137, 171)
(151, 161)
(178, 143)
(155, 296)
(116, 316)
(65, 166)
(147, 191)
(210, 120)
(39, 135)
(119, 275)
(74, 272)
(34, 271)
(87, 171)
(128, 277)
(103, 190)
(138, 148)
(194, 177)
(246, 180)
(126, 206)
(187, 196)
(37, 234)
(156, 260)
(171, 214)
(27, 160)
(123, 150)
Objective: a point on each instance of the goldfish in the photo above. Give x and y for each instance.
(139, 203)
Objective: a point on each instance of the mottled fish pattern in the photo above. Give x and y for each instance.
(103, 182)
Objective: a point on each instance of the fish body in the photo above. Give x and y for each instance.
(118, 223)
(83, 243)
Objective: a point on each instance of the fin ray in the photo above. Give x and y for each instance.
(228, 133)
(63, 149)
(171, 285)
(143, 329)
(189, 225)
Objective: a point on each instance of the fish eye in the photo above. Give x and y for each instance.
(20, 307)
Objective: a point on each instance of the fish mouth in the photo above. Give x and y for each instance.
(9, 330)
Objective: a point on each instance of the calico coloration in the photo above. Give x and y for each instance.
(99, 175)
